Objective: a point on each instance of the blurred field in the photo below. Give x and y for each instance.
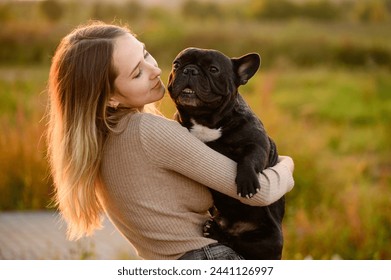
(323, 93)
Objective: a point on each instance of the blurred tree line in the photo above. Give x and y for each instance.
(365, 10)
(31, 29)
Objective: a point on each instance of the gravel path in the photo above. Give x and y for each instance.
(40, 235)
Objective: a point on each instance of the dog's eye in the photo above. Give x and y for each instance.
(213, 69)
(175, 65)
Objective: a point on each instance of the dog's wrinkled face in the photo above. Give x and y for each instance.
(203, 78)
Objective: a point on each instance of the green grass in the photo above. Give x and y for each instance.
(24, 181)
(334, 123)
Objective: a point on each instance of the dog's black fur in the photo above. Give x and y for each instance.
(204, 86)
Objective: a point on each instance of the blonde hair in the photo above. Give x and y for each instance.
(81, 81)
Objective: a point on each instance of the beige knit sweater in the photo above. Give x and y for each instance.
(155, 173)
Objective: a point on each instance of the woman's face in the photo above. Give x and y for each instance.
(138, 82)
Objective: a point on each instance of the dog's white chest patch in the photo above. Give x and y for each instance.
(205, 134)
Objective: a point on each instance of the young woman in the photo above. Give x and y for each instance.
(111, 151)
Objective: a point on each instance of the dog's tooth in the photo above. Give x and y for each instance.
(188, 90)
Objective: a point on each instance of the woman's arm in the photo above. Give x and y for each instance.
(172, 147)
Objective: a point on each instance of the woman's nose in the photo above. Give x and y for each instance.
(154, 68)
(155, 71)
(159, 71)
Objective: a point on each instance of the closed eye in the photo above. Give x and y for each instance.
(138, 74)
(140, 71)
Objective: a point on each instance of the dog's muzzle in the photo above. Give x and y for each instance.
(188, 97)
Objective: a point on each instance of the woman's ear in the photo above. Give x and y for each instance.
(113, 103)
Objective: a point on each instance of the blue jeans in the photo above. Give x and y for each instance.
(214, 251)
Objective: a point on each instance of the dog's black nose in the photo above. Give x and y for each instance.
(190, 70)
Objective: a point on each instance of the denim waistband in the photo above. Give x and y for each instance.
(215, 251)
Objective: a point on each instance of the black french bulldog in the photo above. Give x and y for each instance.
(204, 86)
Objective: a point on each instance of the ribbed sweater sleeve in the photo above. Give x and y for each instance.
(172, 147)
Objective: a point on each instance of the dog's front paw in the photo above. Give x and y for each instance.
(212, 230)
(247, 183)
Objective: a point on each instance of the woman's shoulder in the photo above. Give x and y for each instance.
(154, 123)
(140, 119)
(160, 130)
(141, 123)
(153, 118)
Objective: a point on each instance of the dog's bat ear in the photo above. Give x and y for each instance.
(246, 66)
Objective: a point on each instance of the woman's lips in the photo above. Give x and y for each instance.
(158, 84)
